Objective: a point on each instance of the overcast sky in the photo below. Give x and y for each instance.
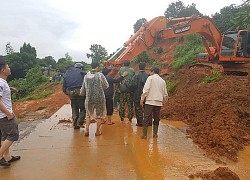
(55, 27)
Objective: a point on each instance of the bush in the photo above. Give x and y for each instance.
(158, 50)
(25, 86)
(143, 57)
(216, 76)
(187, 53)
(171, 86)
(156, 63)
(39, 95)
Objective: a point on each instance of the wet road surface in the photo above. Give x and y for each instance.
(57, 151)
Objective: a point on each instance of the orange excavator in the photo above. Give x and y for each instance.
(231, 50)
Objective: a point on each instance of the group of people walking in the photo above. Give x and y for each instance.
(92, 94)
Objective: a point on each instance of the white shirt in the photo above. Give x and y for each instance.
(5, 93)
(154, 90)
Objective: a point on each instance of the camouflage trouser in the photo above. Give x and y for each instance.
(78, 109)
(126, 98)
(138, 113)
(116, 99)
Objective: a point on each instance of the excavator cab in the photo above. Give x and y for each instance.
(243, 45)
(236, 44)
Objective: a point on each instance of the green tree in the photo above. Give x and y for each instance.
(178, 9)
(27, 48)
(64, 63)
(242, 17)
(139, 23)
(47, 61)
(9, 49)
(68, 57)
(233, 17)
(223, 19)
(30, 82)
(20, 63)
(98, 53)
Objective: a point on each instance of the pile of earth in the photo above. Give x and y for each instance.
(220, 173)
(41, 108)
(217, 114)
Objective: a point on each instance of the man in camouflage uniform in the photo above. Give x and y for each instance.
(72, 84)
(125, 92)
(137, 85)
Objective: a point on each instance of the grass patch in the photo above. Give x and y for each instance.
(215, 76)
(171, 86)
(187, 53)
(39, 95)
(41, 91)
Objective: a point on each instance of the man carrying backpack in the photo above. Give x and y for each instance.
(125, 92)
(72, 84)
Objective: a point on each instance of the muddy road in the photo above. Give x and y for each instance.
(55, 150)
(217, 118)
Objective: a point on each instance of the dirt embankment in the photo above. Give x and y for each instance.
(42, 108)
(218, 114)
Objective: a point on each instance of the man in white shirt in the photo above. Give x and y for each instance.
(8, 125)
(154, 94)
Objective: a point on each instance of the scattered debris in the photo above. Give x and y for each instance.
(221, 173)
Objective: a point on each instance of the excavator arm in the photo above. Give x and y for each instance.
(156, 29)
(201, 25)
(161, 28)
(143, 39)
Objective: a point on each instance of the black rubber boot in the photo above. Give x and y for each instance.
(144, 132)
(155, 131)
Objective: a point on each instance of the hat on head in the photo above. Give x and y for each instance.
(78, 65)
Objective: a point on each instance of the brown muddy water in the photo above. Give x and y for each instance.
(57, 151)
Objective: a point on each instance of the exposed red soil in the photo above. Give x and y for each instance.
(42, 108)
(218, 114)
(221, 173)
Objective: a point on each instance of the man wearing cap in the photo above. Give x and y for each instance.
(72, 84)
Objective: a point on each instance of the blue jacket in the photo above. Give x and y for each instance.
(73, 79)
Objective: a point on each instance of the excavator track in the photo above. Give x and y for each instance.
(237, 69)
(205, 68)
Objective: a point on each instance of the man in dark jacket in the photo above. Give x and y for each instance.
(72, 84)
(109, 92)
(137, 85)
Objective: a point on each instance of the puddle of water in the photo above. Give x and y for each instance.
(242, 167)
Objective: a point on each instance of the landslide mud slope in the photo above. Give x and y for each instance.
(218, 114)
